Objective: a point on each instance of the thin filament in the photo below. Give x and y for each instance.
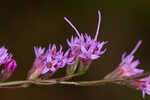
(136, 47)
(98, 26)
(69, 22)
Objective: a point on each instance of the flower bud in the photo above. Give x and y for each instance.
(9, 68)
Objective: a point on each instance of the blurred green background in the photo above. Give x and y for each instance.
(24, 24)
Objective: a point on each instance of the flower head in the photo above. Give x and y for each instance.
(55, 59)
(48, 61)
(84, 47)
(142, 84)
(8, 69)
(9, 63)
(128, 65)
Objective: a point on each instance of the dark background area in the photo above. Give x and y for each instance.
(24, 24)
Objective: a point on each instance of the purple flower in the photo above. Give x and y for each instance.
(8, 69)
(55, 59)
(9, 63)
(48, 61)
(143, 85)
(128, 65)
(4, 56)
(84, 47)
(39, 52)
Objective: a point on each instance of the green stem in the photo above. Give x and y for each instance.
(62, 80)
(37, 82)
(104, 81)
(90, 83)
(14, 83)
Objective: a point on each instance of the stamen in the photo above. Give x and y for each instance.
(98, 26)
(69, 22)
(136, 47)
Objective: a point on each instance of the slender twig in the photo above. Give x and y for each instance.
(36, 82)
(63, 80)
(14, 83)
(90, 83)
(104, 81)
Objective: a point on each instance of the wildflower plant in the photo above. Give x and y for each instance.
(83, 49)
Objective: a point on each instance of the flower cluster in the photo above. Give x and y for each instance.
(128, 65)
(7, 63)
(49, 61)
(53, 59)
(127, 68)
(83, 49)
